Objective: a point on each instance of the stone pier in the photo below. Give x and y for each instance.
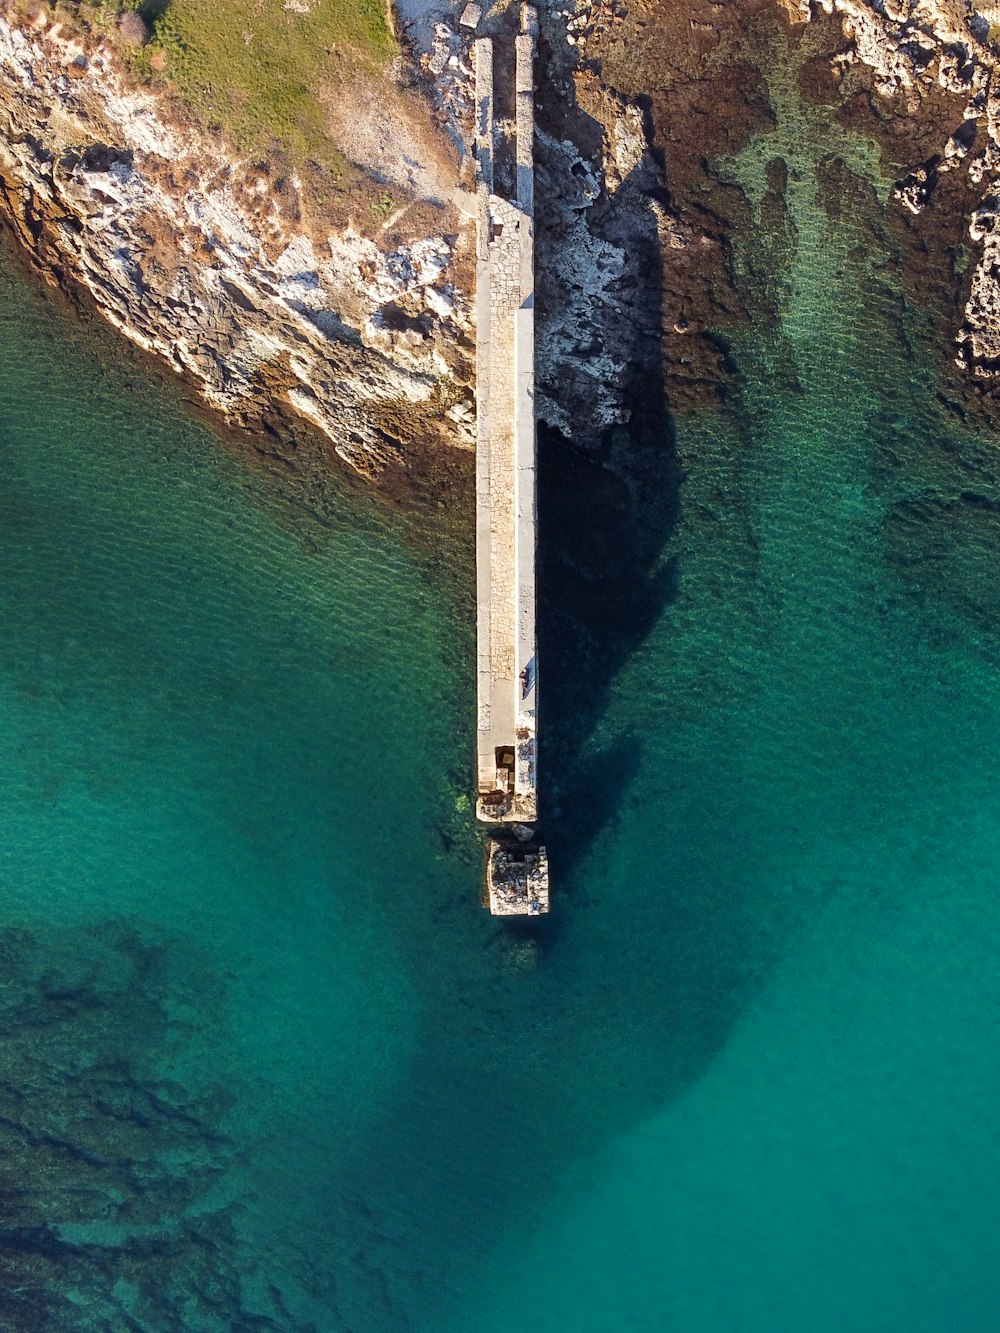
(507, 666)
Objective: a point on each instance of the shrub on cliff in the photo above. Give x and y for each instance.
(132, 28)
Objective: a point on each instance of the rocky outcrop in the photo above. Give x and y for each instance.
(636, 89)
(602, 226)
(218, 265)
(619, 334)
(212, 262)
(923, 54)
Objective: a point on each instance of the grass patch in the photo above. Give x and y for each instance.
(383, 207)
(254, 68)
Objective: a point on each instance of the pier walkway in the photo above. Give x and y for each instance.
(507, 666)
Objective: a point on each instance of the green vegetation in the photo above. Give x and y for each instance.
(382, 207)
(258, 69)
(255, 68)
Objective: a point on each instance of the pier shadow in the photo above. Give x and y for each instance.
(604, 520)
(608, 494)
(606, 514)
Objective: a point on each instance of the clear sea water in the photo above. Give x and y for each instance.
(267, 1066)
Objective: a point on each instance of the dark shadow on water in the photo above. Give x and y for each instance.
(602, 588)
(608, 501)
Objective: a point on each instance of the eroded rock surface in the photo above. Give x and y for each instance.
(935, 63)
(216, 266)
(220, 265)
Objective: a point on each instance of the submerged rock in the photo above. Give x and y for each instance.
(520, 953)
(918, 52)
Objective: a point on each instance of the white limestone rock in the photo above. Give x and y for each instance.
(187, 251)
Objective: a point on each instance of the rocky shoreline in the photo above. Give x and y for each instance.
(923, 79)
(213, 265)
(359, 335)
(357, 339)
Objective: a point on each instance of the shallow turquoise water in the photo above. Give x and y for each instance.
(268, 1066)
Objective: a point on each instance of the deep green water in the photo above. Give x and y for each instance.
(265, 1063)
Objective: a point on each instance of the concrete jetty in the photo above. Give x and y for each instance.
(516, 880)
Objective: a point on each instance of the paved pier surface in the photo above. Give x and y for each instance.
(507, 666)
(507, 669)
